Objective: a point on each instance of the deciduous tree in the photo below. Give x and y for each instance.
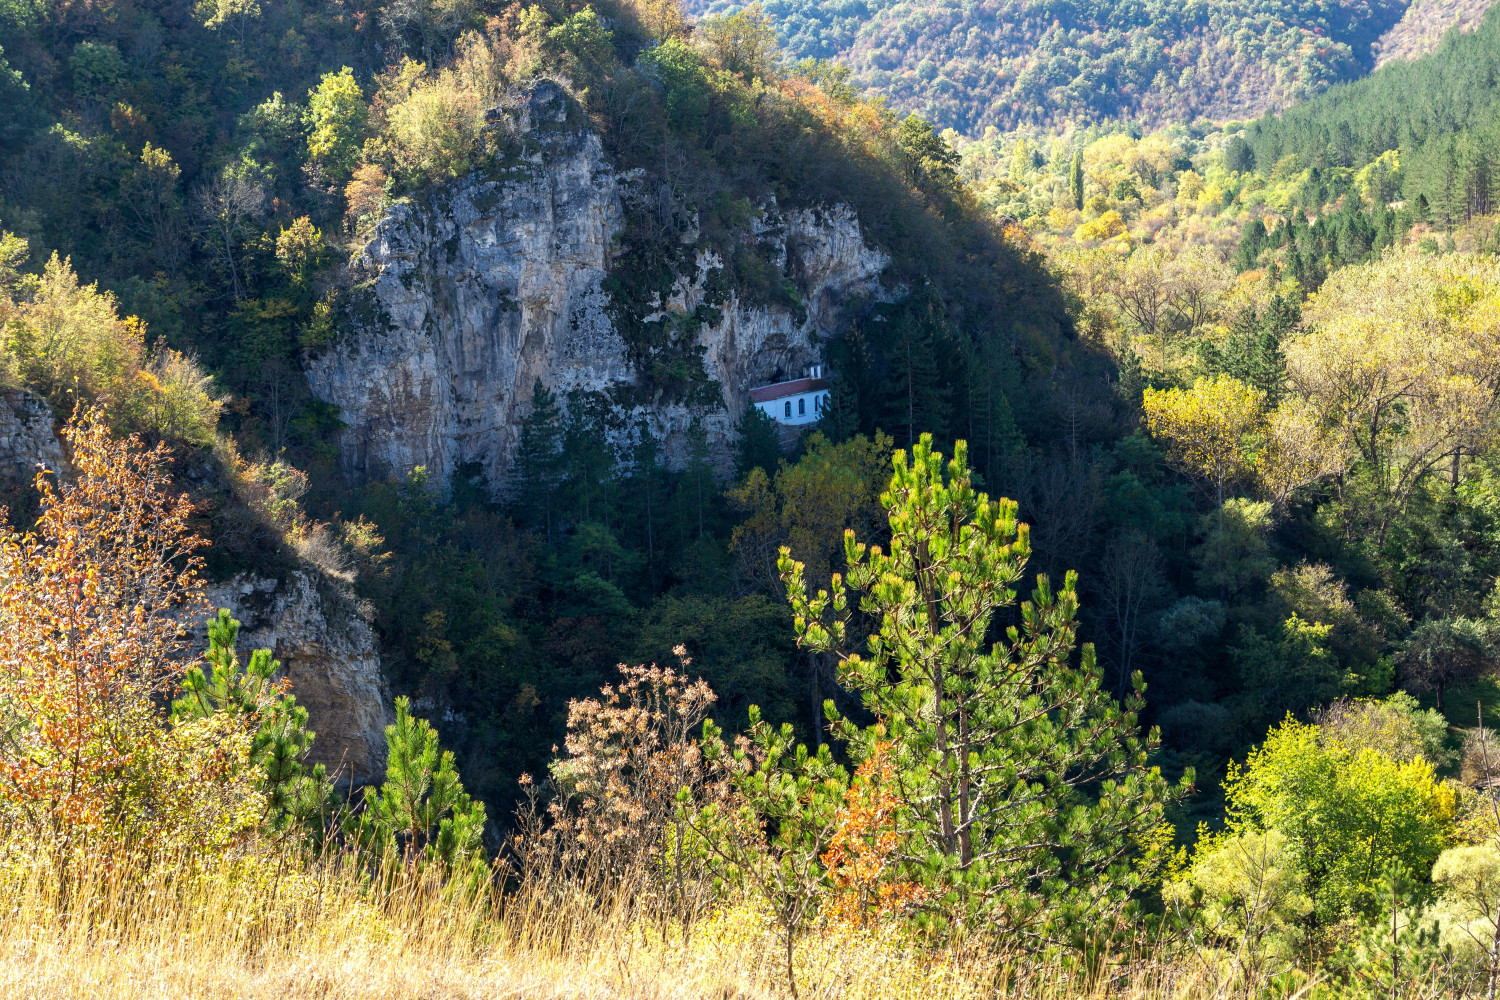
(91, 643)
(1346, 813)
(337, 116)
(1401, 360)
(1208, 428)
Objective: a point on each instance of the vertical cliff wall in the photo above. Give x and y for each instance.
(463, 301)
(329, 652)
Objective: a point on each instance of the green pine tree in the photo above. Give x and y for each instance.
(759, 442)
(588, 460)
(856, 386)
(538, 467)
(647, 492)
(1075, 180)
(696, 485)
(1027, 792)
(917, 399)
(421, 812)
(296, 797)
(996, 439)
(841, 416)
(1252, 351)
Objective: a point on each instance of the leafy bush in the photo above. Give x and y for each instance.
(89, 759)
(1346, 813)
(68, 342)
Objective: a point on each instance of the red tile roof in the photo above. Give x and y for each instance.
(766, 393)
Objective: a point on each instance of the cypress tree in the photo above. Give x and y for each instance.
(759, 442)
(538, 466)
(1075, 180)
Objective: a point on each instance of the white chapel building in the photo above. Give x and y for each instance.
(800, 401)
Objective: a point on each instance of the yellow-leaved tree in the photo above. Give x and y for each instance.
(1220, 431)
(92, 640)
(1399, 365)
(67, 341)
(1210, 429)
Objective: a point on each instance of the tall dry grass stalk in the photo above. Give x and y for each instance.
(252, 927)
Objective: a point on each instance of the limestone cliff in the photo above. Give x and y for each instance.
(501, 278)
(27, 441)
(329, 653)
(309, 621)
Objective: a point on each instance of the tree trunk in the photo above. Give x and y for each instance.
(791, 975)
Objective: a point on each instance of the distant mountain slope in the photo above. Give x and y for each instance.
(1440, 113)
(969, 64)
(1423, 26)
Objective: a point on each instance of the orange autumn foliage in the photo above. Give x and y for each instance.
(862, 857)
(92, 641)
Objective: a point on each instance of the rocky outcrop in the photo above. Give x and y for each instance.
(27, 440)
(329, 653)
(310, 621)
(499, 280)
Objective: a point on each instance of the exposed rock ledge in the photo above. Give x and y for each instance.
(27, 440)
(329, 652)
(466, 302)
(309, 621)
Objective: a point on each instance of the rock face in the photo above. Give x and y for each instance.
(309, 621)
(26, 437)
(329, 653)
(501, 280)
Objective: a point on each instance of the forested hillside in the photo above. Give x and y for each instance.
(1124, 619)
(1404, 155)
(184, 188)
(1437, 114)
(1006, 63)
(1423, 26)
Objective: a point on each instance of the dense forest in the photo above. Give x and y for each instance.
(1006, 64)
(1404, 154)
(1126, 622)
(1437, 114)
(188, 235)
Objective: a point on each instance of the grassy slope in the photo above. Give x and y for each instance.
(253, 930)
